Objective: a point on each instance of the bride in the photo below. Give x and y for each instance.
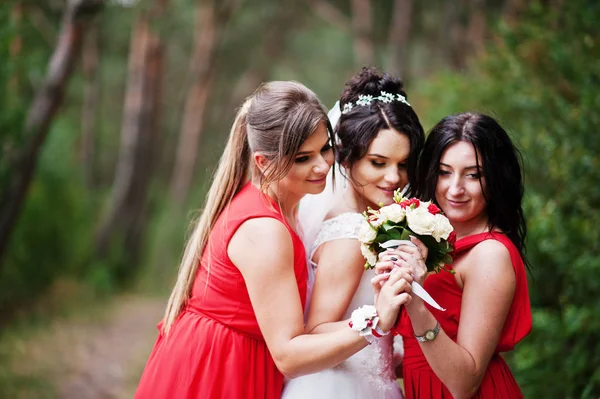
(379, 138)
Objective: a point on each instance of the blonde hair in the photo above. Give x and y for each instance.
(275, 121)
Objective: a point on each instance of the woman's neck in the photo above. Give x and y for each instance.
(288, 203)
(353, 201)
(470, 227)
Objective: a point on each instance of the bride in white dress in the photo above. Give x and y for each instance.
(379, 137)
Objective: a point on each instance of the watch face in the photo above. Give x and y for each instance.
(429, 335)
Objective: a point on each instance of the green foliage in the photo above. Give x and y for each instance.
(541, 81)
(53, 235)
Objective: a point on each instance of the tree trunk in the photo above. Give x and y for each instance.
(127, 213)
(210, 23)
(42, 112)
(476, 29)
(398, 37)
(91, 94)
(452, 35)
(361, 22)
(331, 14)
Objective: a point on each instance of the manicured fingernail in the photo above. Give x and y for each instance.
(394, 259)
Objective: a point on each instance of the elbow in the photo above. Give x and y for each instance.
(287, 366)
(465, 388)
(464, 391)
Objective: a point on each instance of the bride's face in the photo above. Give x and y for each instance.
(308, 174)
(382, 170)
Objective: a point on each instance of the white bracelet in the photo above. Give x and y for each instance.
(364, 320)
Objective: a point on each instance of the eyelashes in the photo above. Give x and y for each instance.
(470, 175)
(382, 164)
(305, 158)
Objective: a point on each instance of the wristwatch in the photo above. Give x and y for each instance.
(429, 335)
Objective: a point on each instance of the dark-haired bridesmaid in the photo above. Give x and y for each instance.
(471, 169)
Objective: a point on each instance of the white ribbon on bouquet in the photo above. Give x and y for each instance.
(417, 289)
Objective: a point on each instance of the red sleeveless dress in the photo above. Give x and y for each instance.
(498, 382)
(215, 349)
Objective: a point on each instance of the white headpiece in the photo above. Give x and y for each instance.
(367, 99)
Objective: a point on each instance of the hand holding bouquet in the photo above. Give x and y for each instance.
(393, 225)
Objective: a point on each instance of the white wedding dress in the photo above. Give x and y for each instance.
(370, 372)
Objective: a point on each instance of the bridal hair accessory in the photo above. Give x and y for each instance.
(364, 320)
(367, 99)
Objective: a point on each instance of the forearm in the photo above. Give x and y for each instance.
(451, 363)
(310, 353)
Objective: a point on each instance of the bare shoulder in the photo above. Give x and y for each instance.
(491, 249)
(490, 258)
(344, 251)
(255, 239)
(264, 227)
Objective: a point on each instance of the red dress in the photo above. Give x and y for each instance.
(215, 349)
(498, 382)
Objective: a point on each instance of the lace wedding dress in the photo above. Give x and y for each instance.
(370, 372)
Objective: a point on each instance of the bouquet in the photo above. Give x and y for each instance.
(393, 225)
(405, 217)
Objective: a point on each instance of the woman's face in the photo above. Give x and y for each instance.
(308, 174)
(459, 190)
(382, 170)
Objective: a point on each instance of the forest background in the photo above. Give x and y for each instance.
(113, 115)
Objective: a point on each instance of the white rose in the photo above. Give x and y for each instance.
(420, 220)
(361, 315)
(366, 234)
(369, 255)
(377, 220)
(394, 213)
(442, 229)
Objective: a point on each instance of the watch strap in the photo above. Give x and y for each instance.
(426, 337)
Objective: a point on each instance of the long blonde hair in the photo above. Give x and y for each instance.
(275, 121)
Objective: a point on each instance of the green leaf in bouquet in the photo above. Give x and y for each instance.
(395, 234)
(405, 234)
(387, 226)
(429, 241)
(447, 259)
(382, 237)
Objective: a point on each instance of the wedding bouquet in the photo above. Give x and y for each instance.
(393, 224)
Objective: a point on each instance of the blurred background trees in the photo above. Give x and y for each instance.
(114, 113)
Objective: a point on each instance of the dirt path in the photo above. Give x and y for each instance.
(97, 356)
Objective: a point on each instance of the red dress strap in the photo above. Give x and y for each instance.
(468, 242)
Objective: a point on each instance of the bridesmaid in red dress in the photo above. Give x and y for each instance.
(471, 169)
(234, 323)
